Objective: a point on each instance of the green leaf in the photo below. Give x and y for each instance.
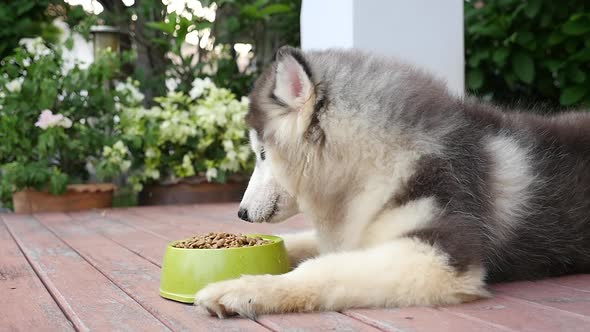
(527, 40)
(500, 56)
(583, 55)
(532, 8)
(491, 30)
(24, 6)
(524, 67)
(475, 79)
(233, 24)
(477, 57)
(553, 65)
(555, 38)
(573, 94)
(161, 26)
(546, 19)
(274, 9)
(250, 11)
(204, 25)
(510, 79)
(260, 3)
(576, 27)
(575, 74)
(571, 46)
(58, 182)
(69, 44)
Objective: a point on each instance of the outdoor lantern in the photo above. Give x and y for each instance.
(105, 36)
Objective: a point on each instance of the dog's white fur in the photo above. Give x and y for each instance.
(364, 263)
(512, 177)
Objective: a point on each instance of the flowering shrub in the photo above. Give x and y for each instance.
(54, 122)
(199, 134)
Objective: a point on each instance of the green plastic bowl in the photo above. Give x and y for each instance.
(186, 271)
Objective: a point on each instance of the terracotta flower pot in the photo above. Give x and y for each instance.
(193, 191)
(77, 197)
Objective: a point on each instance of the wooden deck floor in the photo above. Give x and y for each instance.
(100, 271)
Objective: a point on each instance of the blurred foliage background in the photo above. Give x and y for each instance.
(534, 51)
(157, 31)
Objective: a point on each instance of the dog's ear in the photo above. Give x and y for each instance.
(293, 85)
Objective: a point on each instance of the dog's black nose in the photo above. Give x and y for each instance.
(243, 214)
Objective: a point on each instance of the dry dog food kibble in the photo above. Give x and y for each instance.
(219, 241)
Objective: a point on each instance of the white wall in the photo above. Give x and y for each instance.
(428, 33)
(326, 23)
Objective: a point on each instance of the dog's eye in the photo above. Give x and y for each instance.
(262, 154)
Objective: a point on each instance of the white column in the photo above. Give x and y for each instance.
(428, 33)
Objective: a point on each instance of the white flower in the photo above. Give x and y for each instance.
(244, 153)
(152, 173)
(172, 84)
(65, 122)
(121, 147)
(26, 62)
(187, 166)
(132, 92)
(151, 152)
(208, 69)
(92, 121)
(228, 145)
(125, 165)
(47, 120)
(15, 85)
(211, 173)
(232, 155)
(199, 86)
(84, 93)
(230, 165)
(35, 46)
(106, 151)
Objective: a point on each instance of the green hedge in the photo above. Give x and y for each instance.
(529, 50)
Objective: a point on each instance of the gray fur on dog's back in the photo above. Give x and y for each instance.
(551, 233)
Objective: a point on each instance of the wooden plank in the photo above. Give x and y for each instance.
(167, 229)
(327, 321)
(563, 298)
(139, 278)
(89, 299)
(171, 227)
(521, 315)
(215, 222)
(219, 215)
(148, 245)
(25, 304)
(421, 319)
(579, 281)
(227, 210)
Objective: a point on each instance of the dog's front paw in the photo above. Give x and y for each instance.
(246, 296)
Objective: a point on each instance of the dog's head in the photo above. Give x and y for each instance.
(284, 102)
(265, 200)
(321, 124)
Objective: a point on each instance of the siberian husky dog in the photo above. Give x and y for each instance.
(416, 197)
